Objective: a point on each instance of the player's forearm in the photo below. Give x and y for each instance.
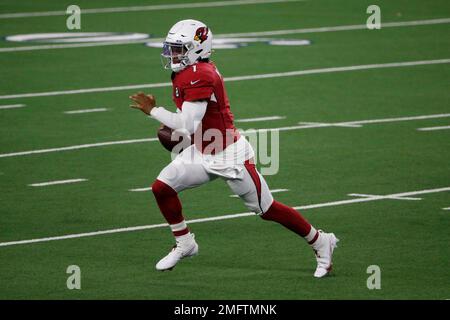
(170, 119)
(189, 119)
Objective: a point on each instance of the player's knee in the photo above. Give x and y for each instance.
(257, 206)
(160, 189)
(269, 212)
(253, 207)
(265, 207)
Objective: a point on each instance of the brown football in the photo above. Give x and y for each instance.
(165, 138)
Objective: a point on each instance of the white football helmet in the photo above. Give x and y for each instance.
(186, 43)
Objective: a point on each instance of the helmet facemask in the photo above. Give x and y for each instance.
(175, 55)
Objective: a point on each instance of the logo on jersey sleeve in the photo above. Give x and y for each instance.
(201, 34)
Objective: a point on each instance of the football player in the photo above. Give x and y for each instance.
(203, 107)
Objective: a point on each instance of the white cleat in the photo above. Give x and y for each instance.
(324, 253)
(184, 248)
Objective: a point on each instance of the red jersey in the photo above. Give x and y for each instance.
(202, 81)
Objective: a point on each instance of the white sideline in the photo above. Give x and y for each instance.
(237, 78)
(12, 106)
(101, 144)
(228, 35)
(434, 128)
(217, 218)
(144, 8)
(86, 111)
(260, 119)
(51, 183)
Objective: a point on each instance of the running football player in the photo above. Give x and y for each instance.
(203, 110)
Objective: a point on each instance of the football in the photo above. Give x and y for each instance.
(165, 138)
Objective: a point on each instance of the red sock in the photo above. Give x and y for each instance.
(292, 220)
(170, 206)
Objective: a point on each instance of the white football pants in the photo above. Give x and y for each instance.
(191, 169)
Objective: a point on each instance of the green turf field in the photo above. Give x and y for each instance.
(246, 257)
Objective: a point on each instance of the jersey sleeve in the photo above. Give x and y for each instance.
(198, 88)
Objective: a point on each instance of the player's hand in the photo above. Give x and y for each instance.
(143, 102)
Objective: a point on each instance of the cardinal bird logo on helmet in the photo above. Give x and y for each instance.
(201, 34)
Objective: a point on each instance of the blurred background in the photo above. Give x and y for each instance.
(363, 116)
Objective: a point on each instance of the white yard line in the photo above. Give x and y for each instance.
(141, 189)
(343, 202)
(78, 91)
(229, 35)
(385, 197)
(434, 128)
(217, 218)
(51, 183)
(343, 124)
(271, 191)
(86, 111)
(309, 125)
(337, 28)
(398, 119)
(338, 69)
(301, 127)
(260, 119)
(173, 6)
(77, 147)
(237, 78)
(71, 45)
(12, 106)
(446, 208)
(320, 124)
